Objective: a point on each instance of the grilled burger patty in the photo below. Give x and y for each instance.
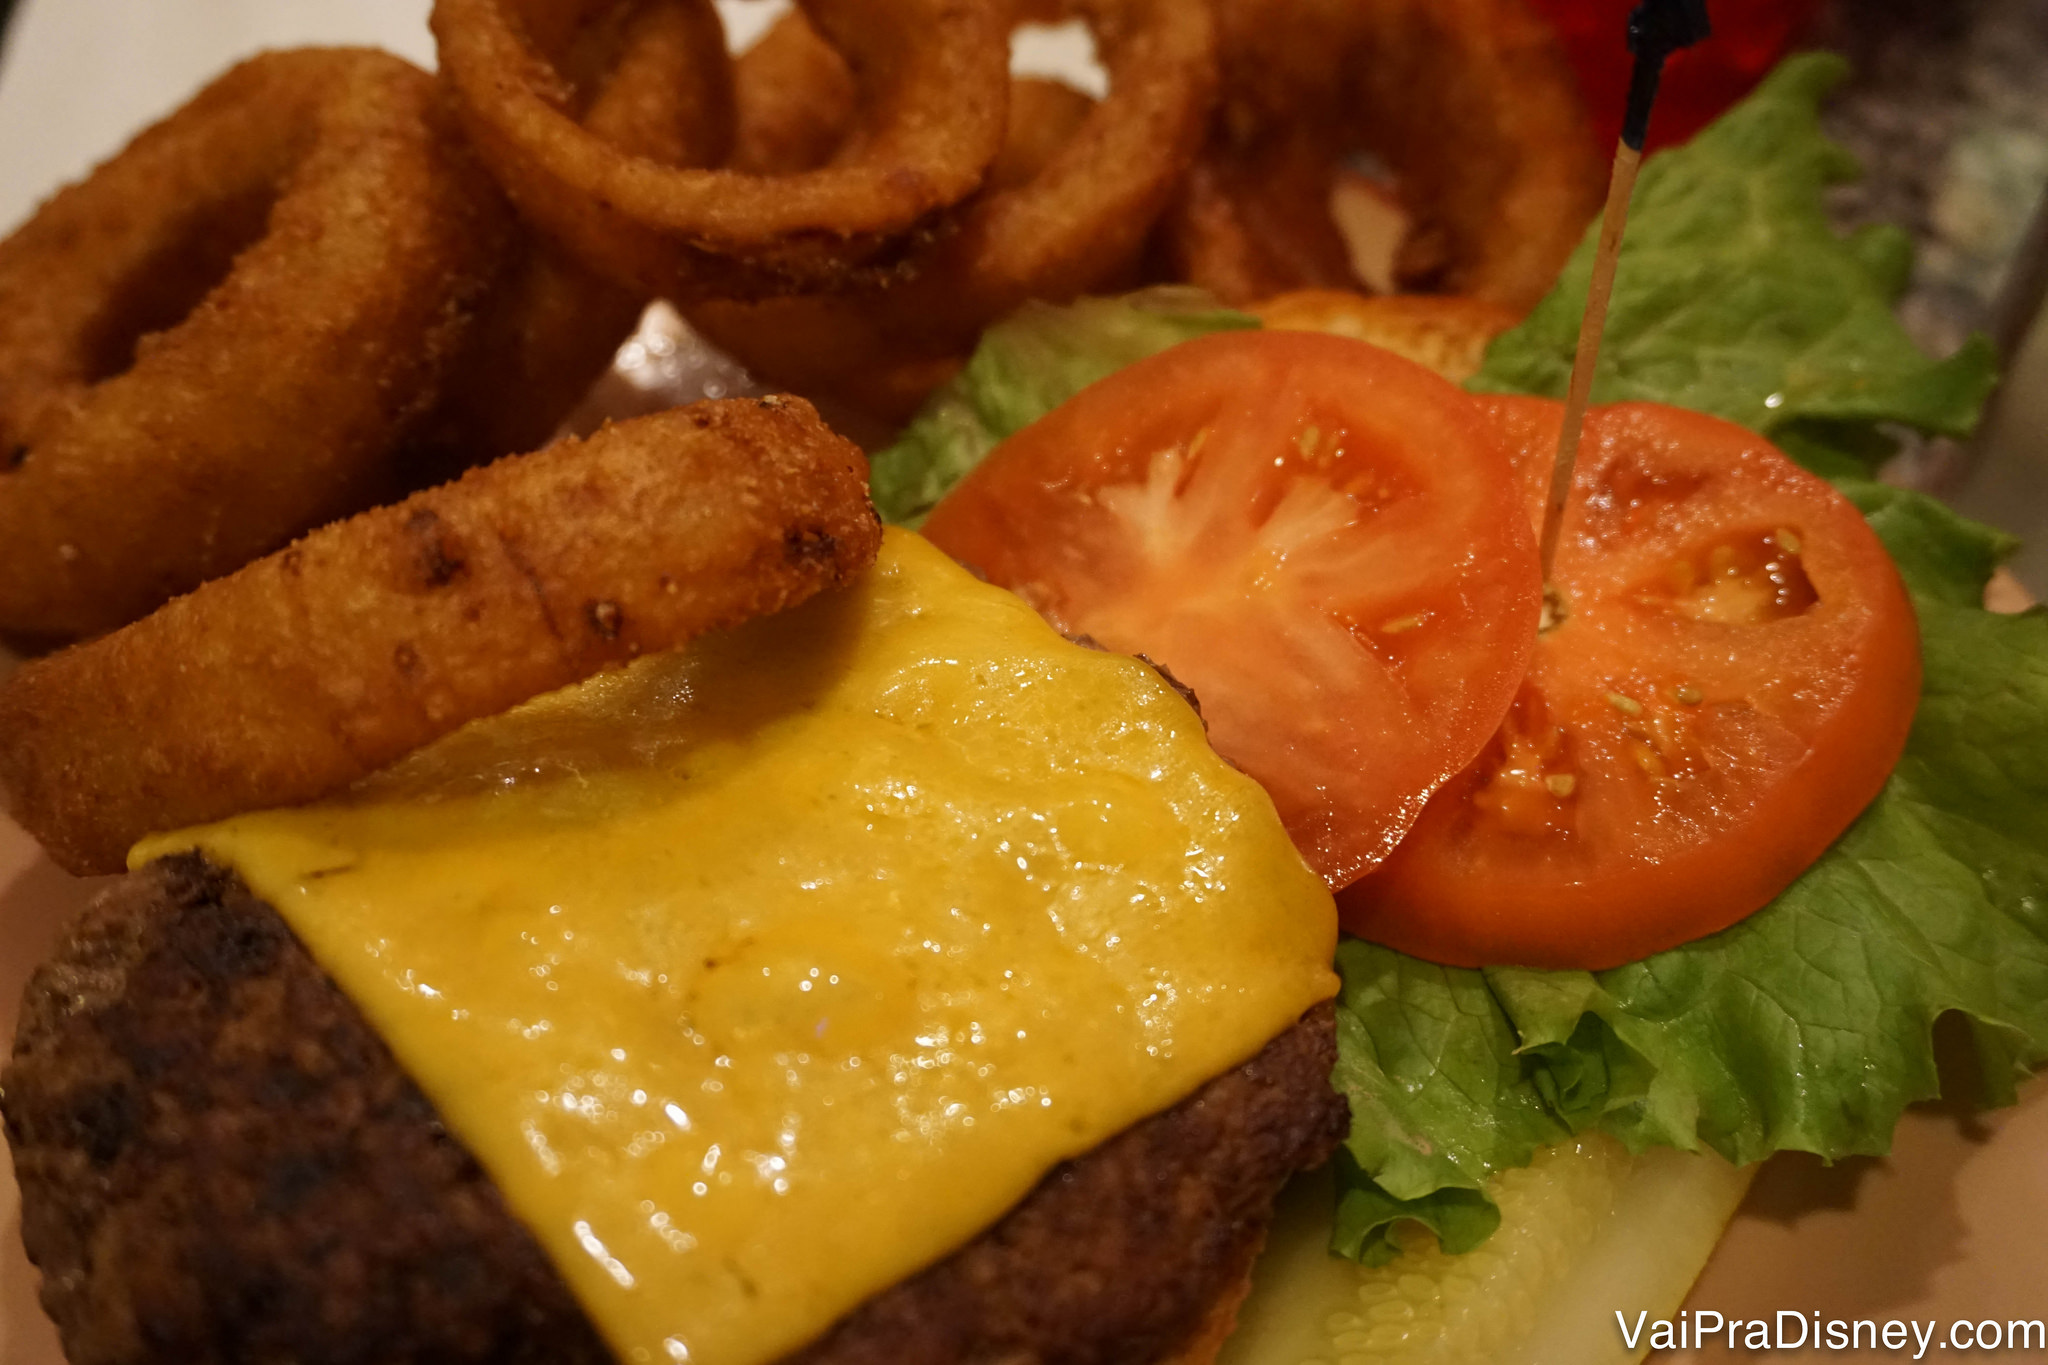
(221, 1162)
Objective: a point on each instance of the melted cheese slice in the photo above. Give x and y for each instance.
(762, 975)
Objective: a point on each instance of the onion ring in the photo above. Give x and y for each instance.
(1254, 221)
(312, 668)
(1083, 218)
(1472, 104)
(321, 215)
(551, 327)
(931, 74)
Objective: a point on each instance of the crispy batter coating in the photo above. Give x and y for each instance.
(1471, 104)
(931, 80)
(1075, 222)
(311, 668)
(551, 326)
(229, 332)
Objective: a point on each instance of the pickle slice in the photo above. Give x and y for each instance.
(1586, 1230)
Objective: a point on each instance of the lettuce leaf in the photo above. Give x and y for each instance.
(1734, 296)
(1024, 367)
(1808, 1026)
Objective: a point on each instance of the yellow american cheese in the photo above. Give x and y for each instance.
(761, 975)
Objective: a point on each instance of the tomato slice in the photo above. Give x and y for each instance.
(1320, 538)
(1732, 684)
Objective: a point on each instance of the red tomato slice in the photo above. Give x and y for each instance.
(1732, 685)
(1320, 538)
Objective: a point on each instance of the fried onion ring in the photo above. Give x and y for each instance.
(551, 327)
(314, 667)
(1079, 221)
(228, 333)
(931, 76)
(1471, 103)
(1255, 220)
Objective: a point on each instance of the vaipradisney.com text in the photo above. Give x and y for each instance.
(1790, 1329)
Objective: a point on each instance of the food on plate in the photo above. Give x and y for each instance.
(932, 74)
(1061, 215)
(1470, 106)
(194, 373)
(230, 332)
(888, 855)
(1325, 541)
(1731, 685)
(310, 668)
(642, 1004)
(1807, 1025)
(551, 325)
(1447, 333)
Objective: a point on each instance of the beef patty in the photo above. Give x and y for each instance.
(221, 1162)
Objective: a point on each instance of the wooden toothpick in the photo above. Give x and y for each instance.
(1656, 29)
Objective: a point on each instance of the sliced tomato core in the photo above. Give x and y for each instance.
(1732, 684)
(1323, 540)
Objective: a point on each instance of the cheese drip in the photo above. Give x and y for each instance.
(762, 975)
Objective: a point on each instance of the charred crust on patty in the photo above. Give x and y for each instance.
(226, 1164)
(220, 1161)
